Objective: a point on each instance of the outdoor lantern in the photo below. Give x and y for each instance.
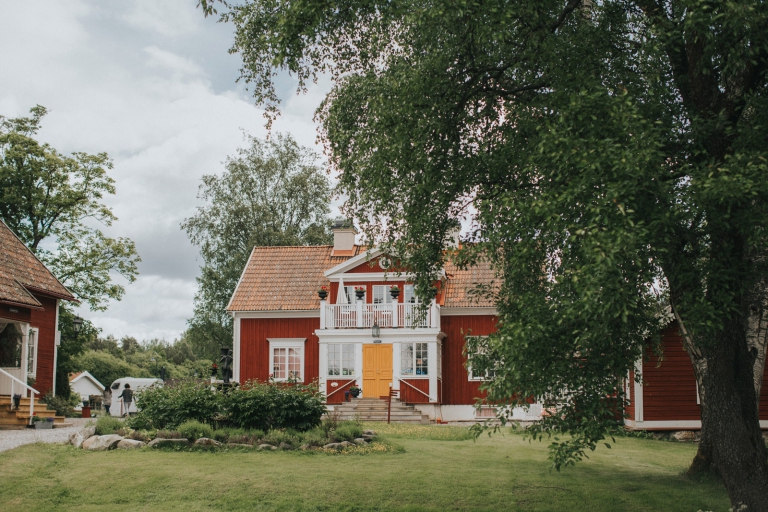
(77, 323)
(375, 330)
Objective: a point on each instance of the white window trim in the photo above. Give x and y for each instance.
(387, 296)
(476, 378)
(413, 375)
(36, 332)
(286, 343)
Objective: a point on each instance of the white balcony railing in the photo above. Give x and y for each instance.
(386, 316)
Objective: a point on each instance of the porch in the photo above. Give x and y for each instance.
(361, 315)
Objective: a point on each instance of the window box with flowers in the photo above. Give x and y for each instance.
(359, 292)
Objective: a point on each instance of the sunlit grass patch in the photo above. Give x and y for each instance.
(416, 431)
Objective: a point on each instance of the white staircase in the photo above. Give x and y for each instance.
(374, 409)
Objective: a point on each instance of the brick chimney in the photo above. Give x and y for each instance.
(343, 237)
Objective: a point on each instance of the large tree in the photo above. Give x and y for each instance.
(53, 202)
(271, 193)
(613, 154)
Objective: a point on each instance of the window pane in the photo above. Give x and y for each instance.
(409, 294)
(334, 359)
(280, 363)
(421, 359)
(378, 294)
(294, 363)
(350, 291)
(406, 359)
(348, 359)
(31, 353)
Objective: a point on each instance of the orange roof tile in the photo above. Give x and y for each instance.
(287, 279)
(284, 278)
(21, 272)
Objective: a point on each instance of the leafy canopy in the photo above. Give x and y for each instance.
(53, 202)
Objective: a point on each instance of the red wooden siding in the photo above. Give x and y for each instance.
(21, 314)
(254, 347)
(367, 266)
(457, 388)
(338, 397)
(45, 321)
(669, 388)
(410, 395)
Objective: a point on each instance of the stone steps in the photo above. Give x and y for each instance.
(371, 409)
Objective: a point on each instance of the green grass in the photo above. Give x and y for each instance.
(433, 470)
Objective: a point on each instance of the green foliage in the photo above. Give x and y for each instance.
(347, 431)
(62, 403)
(268, 406)
(275, 437)
(107, 368)
(162, 407)
(287, 203)
(49, 196)
(108, 425)
(194, 430)
(315, 437)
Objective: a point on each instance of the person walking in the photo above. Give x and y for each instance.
(106, 399)
(127, 396)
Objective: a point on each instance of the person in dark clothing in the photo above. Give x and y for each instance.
(127, 396)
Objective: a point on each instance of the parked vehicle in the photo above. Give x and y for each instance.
(117, 408)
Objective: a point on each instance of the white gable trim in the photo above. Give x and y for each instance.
(351, 263)
(90, 377)
(239, 281)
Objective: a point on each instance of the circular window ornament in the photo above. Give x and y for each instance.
(385, 262)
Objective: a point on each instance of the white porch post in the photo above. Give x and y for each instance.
(432, 369)
(395, 308)
(359, 365)
(323, 366)
(396, 369)
(359, 304)
(639, 390)
(434, 314)
(236, 363)
(323, 303)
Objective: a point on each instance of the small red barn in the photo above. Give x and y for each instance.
(29, 335)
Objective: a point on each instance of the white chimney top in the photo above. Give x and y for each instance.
(343, 237)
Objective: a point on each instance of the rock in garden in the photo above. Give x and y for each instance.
(205, 441)
(338, 446)
(162, 443)
(661, 435)
(101, 443)
(305, 446)
(267, 447)
(369, 433)
(76, 439)
(88, 432)
(239, 445)
(360, 441)
(346, 444)
(130, 444)
(684, 436)
(285, 446)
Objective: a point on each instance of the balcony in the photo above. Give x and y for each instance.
(387, 316)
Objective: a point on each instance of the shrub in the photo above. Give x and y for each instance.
(347, 431)
(275, 437)
(63, 406)
(108, 425)
(268, 406)
(167, 407)
(168, 434)
(315, 437)
(194, 430)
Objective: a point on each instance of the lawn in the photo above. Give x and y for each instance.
(433, 471)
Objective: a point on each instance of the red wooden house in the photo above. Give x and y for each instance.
(283, 329)
(29, 335)
(667, 396)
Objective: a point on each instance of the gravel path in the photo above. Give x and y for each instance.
(10, 439)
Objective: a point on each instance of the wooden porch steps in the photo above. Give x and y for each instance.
(372, 409)
(17, 419)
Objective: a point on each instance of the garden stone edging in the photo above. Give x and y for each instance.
(161, 443)
(267, 447)
(76, 439)
(285, 446)
(101, 443)
(360, 441)
(205, 441)
(239, 445)
(130, 444)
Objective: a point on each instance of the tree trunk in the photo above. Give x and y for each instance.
(732, 437)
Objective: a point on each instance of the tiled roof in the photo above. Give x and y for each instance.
(20, 270)
(283, 278)
(459, 283)
(287, 279)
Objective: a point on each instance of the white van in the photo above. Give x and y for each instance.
(116, 408)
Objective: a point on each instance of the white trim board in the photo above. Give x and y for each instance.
(278, 313)
(448, 311)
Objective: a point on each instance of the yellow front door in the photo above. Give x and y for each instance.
(377, 370)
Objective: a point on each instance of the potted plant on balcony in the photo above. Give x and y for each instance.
(322, 292)
(359, 292)
(394, 291)
(354, 391)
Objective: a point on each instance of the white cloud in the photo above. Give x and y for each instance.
(133, 80)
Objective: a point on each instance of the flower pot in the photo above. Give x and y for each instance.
(360, 294)
(354, 392)
(85, 403)
(43, 425)
(322, 294)
(16, 401)
(394, 293)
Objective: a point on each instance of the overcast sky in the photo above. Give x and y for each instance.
(149, 82)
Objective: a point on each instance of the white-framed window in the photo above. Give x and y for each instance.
(341, 359)
(381, 294)
(409, 294)
(286, 358)
(32, 352)
(414, 359)
(349, 291)
(479, 352)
